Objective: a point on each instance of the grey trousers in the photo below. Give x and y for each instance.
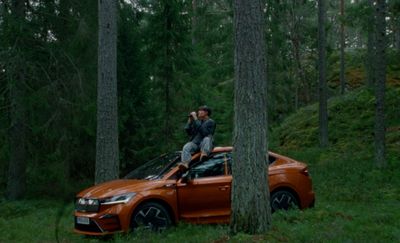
(205, 147)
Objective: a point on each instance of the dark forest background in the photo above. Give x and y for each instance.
(50, 55)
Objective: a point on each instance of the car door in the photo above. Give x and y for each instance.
(205, 197)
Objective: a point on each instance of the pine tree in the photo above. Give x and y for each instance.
(107, 155)
(169, 51)
(323, 110)
(17, 167)
(342, 48)
(369, 65)
(380, 74)
(250, 181)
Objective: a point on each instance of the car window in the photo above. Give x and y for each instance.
(155, 168)
(215, 166)
(271, 159)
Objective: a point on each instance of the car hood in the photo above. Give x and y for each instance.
(116, 187)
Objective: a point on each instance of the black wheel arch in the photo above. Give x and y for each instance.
(286, 188)
(158, 201)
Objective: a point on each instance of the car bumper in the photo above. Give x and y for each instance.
(109, 219)
(97, 225)
(308, 201)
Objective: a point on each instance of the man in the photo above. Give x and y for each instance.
(200, 127)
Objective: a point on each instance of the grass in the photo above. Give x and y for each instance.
(330, 221)
(356, 201)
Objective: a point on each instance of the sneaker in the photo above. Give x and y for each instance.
(203, 157)
(183, 166)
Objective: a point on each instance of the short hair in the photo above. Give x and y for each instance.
(205, 108)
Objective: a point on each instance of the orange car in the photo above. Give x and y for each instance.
(158, 194)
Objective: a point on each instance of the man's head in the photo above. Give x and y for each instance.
(204, 112)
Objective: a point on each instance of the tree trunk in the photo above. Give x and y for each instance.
(17, 167)
(342, 47)
(323, 110)
(358, 33)
(194, 22)
(397, 33)
(369, 66)
(380, 72)
(16, 183)
(107, 156)
(251, 212)
(167, 73)
(302, 84)
(305, 89)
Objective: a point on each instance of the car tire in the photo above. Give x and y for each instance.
(283, 199)
(151, 216)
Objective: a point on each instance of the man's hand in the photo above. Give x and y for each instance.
(193, 115)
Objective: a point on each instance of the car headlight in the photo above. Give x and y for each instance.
(87, 204)
(121, 198)
(87, 201)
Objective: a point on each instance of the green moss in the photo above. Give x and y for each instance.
(350, 123)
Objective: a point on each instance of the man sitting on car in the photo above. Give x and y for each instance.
(200, 127)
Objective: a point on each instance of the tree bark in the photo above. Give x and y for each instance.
(251, 212)
(342, 47)
(397, 33)
(16, 183)
(194, 22)
(17, 168)
(107, 155)
(323, 110)
(168, 73)
(369, 65)
(358, 33)
(302, 85)
(380, 72)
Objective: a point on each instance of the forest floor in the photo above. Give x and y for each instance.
(355, 200)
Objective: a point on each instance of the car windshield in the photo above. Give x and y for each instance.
(155, 168)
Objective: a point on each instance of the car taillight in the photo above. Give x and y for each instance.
(305, 172)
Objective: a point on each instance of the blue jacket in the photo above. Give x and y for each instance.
(199, 129)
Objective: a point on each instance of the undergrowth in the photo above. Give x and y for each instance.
(355, 201)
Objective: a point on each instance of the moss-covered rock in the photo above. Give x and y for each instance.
(350, 123)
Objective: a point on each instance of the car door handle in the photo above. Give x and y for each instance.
(223, 188)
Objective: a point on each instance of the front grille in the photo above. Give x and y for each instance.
(87, 208)
(91, 227)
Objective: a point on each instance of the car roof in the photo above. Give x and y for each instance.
(230, 148)
(222, 149)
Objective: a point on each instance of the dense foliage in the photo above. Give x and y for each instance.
(172, 57)
(355, 201)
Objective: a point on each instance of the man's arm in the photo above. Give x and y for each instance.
(192, 125)
(208, 128)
